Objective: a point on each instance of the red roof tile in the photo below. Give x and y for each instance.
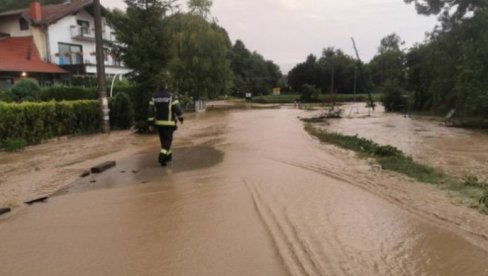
(19, 54)
(52, 13)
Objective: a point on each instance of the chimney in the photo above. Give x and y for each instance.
(35, 11)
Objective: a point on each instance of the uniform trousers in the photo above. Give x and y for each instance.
(166, 138)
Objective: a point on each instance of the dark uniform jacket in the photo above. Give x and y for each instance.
(164, 109)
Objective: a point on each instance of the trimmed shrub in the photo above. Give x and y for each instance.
(310, 93)
(35, 122)
(6, 96)
(121, 111)
(25, 90)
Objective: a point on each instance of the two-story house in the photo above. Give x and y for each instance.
(63, 35)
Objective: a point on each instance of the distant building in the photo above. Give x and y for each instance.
(277, 91)
(62, 35)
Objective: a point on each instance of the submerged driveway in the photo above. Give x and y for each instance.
(249, 193)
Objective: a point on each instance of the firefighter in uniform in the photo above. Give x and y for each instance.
(166, 112)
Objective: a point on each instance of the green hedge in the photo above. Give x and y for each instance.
(73, 93)
(35, 122)
(67, 93)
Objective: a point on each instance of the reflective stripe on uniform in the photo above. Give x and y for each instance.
(151, 102)
(150, 119)
(175, 102)
(165, 123)
(164, 151)
(170, 109)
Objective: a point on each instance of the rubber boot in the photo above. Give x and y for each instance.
(162, 159)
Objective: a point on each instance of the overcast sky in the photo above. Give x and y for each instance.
(287, 31)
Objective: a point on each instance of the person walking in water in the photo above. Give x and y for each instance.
(165, 112)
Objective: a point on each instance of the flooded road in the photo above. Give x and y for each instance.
(457, 151)
(249, 193)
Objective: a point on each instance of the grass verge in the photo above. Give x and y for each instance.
(13, 144)
(469, 191)
(239, 106)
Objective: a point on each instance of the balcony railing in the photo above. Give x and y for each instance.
(70, 58)
(88, 34)
(83, 33)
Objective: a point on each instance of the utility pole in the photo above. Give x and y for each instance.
(102, 93)
(361, 73)
(332, 94)
(355, 87)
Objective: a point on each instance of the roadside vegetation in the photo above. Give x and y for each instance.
(469, 190)
(290, 98)
(443, 73)
(30, 115)
(190, 50)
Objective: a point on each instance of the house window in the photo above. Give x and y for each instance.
(24, 25)
(84, 27)
(70, 54)
(6, 83)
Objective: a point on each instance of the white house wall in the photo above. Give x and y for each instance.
(109, 70)
(11, 25)
(61, 32)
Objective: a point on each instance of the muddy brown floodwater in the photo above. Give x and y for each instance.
(457, 151)
(249, 193)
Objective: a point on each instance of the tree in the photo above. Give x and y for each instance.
(307, 72)
(337, 73)
(388, 72)
(200, 68)
(252, 73)
(389, 63)
(200, 7)
(332, 72)
(449, 10)
(145, 46)
(390, 42)
(449, 70)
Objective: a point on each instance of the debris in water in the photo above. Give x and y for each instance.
(103, 167)
(85, 173)
(41, 199)
(4, 210)
(329, 114)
